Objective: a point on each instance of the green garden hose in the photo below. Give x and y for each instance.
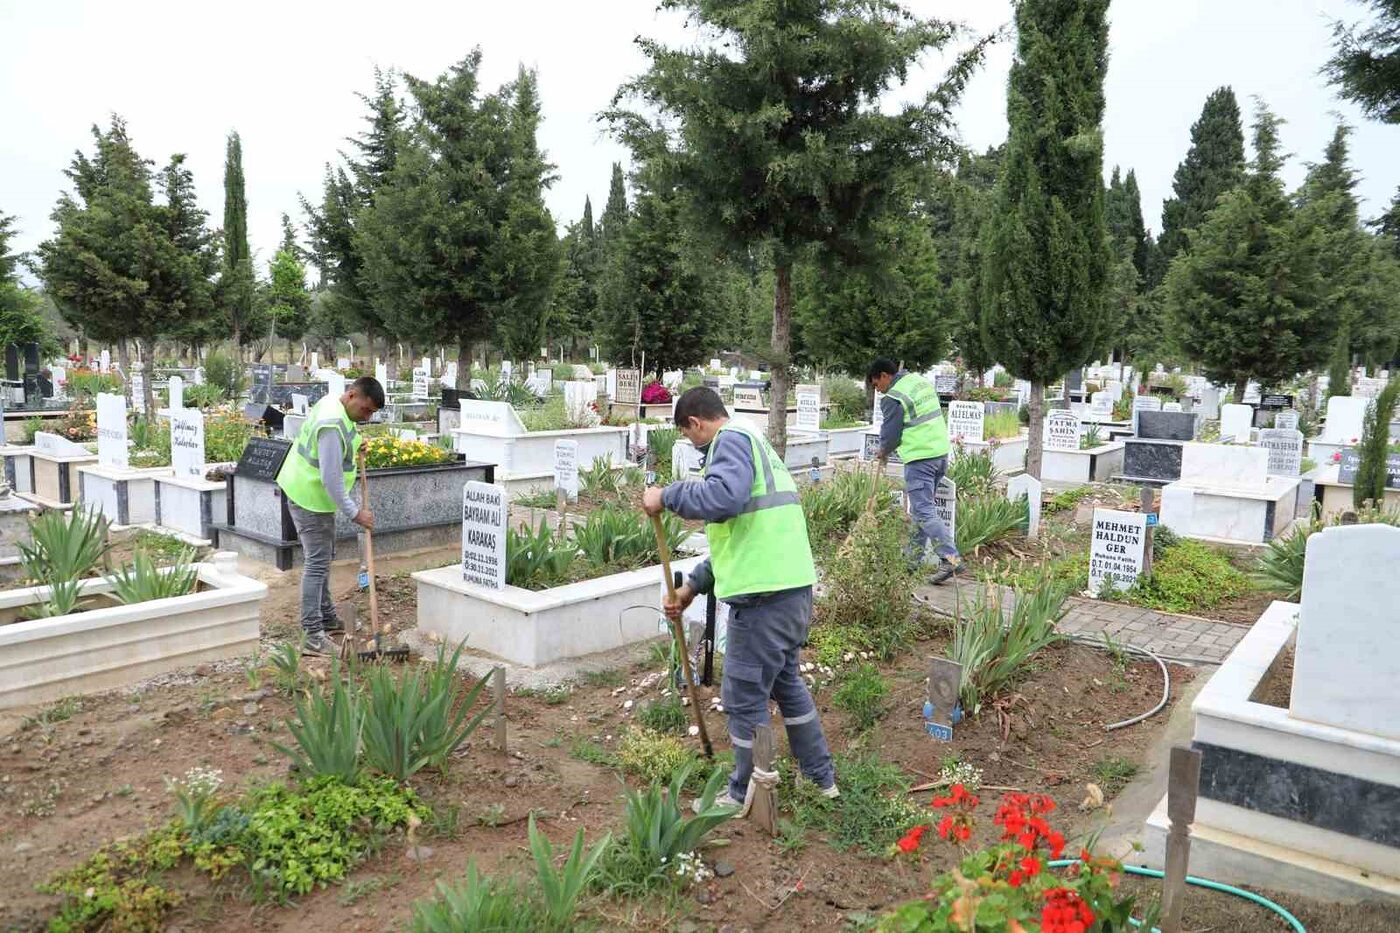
(1203, 883)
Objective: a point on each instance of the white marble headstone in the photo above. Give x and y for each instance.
(1285, 447)
(1061, 430)
(877, 417)
(809, 407)
(335, 385)
(1026, 485)
(1116, 547)
(1171, 406)
(105, 362)
(1102, 404)
(945, 503)
(566, 467)
(965, 421)
(1230, 466)
(187, 442)
(1286, 419)
(1346, 669)
(111, 431)
(176, 388)
(1210, 402)
(381, 374)
(1235, 423)
(1345, 415)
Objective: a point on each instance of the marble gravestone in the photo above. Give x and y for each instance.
(965, 421)
(1235, 423)
(1062, 431)
(1171, 406)
(1286, 420)
(1227, 466)
(1346, 671)
(1166, 425)
(1116, 549)
(1345, 414)
(1102, 404)
(1285, 449)
(1143, 403)
(1023, 484)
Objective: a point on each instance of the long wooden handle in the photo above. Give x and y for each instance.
(874, 484)
(678, 629)
(369, 550)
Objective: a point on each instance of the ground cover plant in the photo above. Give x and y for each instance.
(609, 540)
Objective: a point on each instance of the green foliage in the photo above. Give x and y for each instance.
(832, 507)
(863, 694)
(591, 752)
(664, 716)
(1066, 500)
(1190, 577)
(1280, 567)
(653, 756)
(872, 812)
(224, 373)
(660, 442)
(113, 889)
(560, 888)
(84, 385)
(418, 719)
(225, 436)
(205, 396)
(64, 546)
(973, 472)
(1213, 165)
(478, 903)
(538, 559)
(623, 539)
(985, 519)
(848, 401)
(141, 580)
(327, 730)
(1089, 441)
(994, 646)
(1001, 425)
(661, 827)
(1371, 475)
(1113, 772)
(288, 301)
(1365, 62)
(870, 585)
(599, 480)
(236, 281)
(297, 840)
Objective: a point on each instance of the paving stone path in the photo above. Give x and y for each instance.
(1178, 638)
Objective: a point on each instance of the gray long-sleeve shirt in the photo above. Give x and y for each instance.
(332, 453)
(892, 427)
(718, 496)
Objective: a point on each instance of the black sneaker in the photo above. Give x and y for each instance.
(333, 625)
(947, 571)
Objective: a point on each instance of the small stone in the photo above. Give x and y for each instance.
(23, 847)
(204, 670)
(705, 896)
(627, 704)
(512, 780)
(723, 869)
(250, 709)
(418, 853)
(694, 731)
(687, 926)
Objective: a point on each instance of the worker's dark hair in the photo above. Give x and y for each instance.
(881, 366)
(369, 387)
(700, 402)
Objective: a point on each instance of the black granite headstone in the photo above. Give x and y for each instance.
(12, 372)
(1166, 425)
(1276, 402)
(1158, 460)
(264, 414)
(1075, 380)
(263, 457)
(1351, 462)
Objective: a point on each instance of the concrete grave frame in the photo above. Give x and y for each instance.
(1095, 465)
(54, 481)
(19, 468)
(125, 497)
(42, 660)
(491, 432)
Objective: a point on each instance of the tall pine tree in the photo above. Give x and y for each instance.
(236, 286)
(1213, 165)
(1046, 257)
(20, 321)
(1244, 296)
(772, 131)
(578, 287)
(973, 193)
(287, 298)
(1366, 62)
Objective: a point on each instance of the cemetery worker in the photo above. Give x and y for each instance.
(761, 565)
(914, 427)
(316, 478)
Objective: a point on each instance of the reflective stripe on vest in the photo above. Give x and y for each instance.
(763, 549)
(925, 434)
(300, 476)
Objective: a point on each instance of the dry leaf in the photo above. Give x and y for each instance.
(1094, 799)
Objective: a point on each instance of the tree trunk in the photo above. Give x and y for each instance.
(124, 358)
(1238, 394)
(782, 347)
(1035, 440)
(464, 364)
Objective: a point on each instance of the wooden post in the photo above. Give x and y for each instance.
(1183, 782)
(498, 676)
(1148, 506)
(763, 809)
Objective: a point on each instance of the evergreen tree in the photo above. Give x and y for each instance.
(615, 212)
(287, 298)
(180, 296)
(1366, 64)
(578, 287)
(331, 230)
(20, 320)
(973, 192)
(1046, 258)
(1357, 289)
(378, 146)
(657, 290)
(1388, 226)
(897, 308)
(1371, 474)
(236, 284)
(1339, 368)
(428, 241)
(1123, 213)
(1244, 296)
(772, 132)
(525, 256)
(1213, 165)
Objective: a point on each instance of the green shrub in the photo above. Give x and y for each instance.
(141, 580)
(1064, 501)
(660, 826)
(225, 372)
(538, 559)
(551, 415)
(832, 507)
(206, 395)
(1369, 486)
(873, 811)
(973, 472)
(113, 889)
(652, 756)
(327, 730)
(870, 585)
(848, 401)
(1280, 567)
(993, 648)
(64, 546)
(863, 694)
(1190, 577)
(986, 518)
(661, 441)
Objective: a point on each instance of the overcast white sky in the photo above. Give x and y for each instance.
(284, 75)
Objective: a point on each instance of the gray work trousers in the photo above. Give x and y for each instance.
(316, 532)
(921, 479)
(760, 663)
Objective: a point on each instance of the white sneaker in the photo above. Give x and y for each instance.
(830, 793)
(723, 800)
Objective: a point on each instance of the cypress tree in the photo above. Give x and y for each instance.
(1339, 368)
(20, 321)
(1046, 257)
(236, 282)
(773, 133)
(1245, 295)
(1213, 165)
(1369, 486)
(1365, 64)
(615, 210)
(973, 192)
(578, 289)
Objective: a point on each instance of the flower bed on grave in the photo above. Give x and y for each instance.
(568, 594)
(83, 627)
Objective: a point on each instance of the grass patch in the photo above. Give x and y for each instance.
(1190, 577)
(608, 678)
(664, 716)
(585, 749)
(864, 695)
(1112, 773)
(872, 812)
(1064, 501)
(50, 716)
(163, 549)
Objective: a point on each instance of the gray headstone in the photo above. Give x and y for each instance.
(1285, 448)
